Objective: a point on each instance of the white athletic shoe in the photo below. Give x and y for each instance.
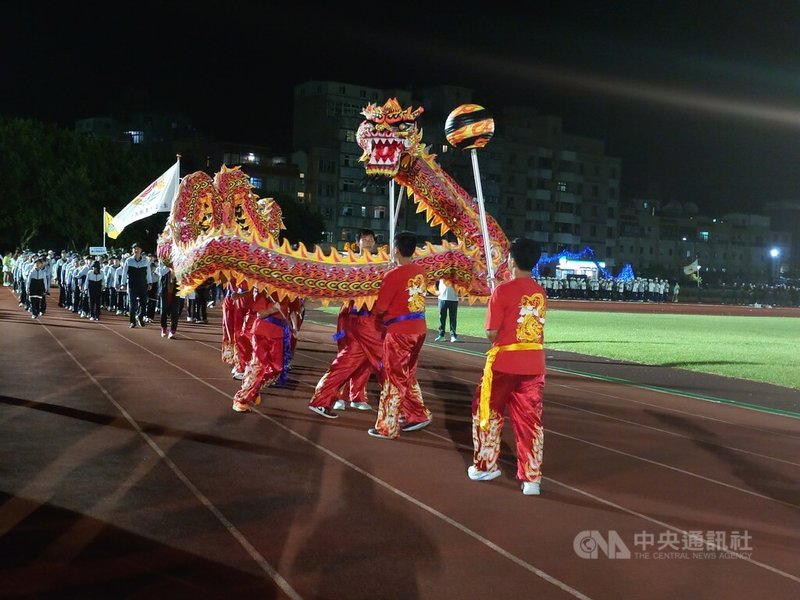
(531, 488)
(477, 475)
(238, 376)
(339, 405)
(360, 405)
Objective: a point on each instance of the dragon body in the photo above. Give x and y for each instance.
(220, 229)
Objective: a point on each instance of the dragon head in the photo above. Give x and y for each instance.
(387, 133)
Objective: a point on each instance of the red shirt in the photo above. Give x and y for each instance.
(262, 327)
(516, 311)
(403, 292)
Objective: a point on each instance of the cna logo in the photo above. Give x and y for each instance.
(589, 544)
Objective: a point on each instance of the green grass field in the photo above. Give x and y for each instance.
(756, 348)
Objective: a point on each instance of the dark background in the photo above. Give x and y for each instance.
(701, 100)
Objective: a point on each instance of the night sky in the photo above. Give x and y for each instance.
(701, 100)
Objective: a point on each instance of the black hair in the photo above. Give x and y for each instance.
(525, 253)
(363, 232)
(406, 243)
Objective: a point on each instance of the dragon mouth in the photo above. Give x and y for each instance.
(383, 155)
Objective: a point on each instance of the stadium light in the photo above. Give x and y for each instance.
(774, 252)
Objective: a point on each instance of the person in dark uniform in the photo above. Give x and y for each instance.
(95, 283)
(36, 286)
(170, 302)
(137, 279)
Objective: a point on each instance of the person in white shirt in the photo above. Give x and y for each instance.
(448, 305)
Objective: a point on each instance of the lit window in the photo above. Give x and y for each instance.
(562, 186)
(137, 137)
(302, 175)
(257, 182)
(379, 212)
(703, 236)
(301, 194)
(251, 158)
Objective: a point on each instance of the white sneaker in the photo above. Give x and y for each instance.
(530, 488)
(323, 411)
(453, 338)
(416, 426)
(477, 475)
(360, 405)
(438, 338)
(339, 405)
(238, 376)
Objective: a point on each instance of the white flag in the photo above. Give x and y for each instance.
(691, 268)
(156, 197)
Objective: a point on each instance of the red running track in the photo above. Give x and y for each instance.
(126, 474)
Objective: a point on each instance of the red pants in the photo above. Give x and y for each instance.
(355, 389)
(264, 367)
(244, 349)
(360, 353)
(400, 391)
(522, 394)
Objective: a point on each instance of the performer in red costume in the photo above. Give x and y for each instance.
(514, 373)
(243, 300)
(354, 391)
(401, 309)
(269, 333)
(228, 327)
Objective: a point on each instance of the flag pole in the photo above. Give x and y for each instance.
(104, 227)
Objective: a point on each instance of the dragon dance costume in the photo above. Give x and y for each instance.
(514, 378)
(401, 305)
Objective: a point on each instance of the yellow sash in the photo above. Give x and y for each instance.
(486, 382)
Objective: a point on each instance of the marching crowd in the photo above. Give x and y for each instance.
(627, 290)
(131, 284)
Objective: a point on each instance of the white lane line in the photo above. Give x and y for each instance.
(202, 498)
(463, 528)
(676, 469)
(665, 431)
(594, 392)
